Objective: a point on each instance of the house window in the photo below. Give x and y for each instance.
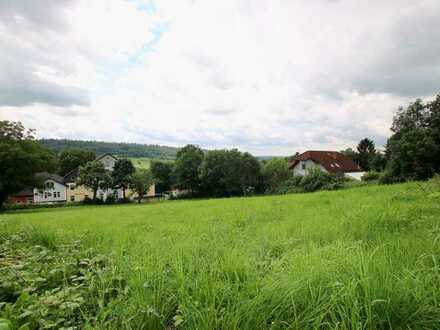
(72, 198)
(49, 185)
(72, 187)
(303, 166)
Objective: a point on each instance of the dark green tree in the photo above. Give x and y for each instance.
(414, 148)
(21, 157)
(121, 174)
(140, 181)
(162, 173)
(275, 171)
(187, 168)
(366, 150)
(94, 176)
(214, 172)
(378, 162)
(229, 173)
(71, 158)
(250, 173)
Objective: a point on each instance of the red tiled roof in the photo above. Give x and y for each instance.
(332, 161)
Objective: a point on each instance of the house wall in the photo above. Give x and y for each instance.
(21, 200)
(77, 193)
(309, 164)
(108, 161)
(50, 195)
(133, 194)
(354, 175)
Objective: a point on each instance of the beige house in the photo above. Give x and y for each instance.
(77, 193)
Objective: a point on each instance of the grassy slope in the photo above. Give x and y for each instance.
(141, 162)
(144, 162)
(360, 258)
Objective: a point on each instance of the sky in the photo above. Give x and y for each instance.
(269, 77)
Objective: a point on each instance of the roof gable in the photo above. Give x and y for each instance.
(73, 174)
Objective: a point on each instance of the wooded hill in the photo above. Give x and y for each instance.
(120, 149)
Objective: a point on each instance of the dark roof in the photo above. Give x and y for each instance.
(49, 176)
(106, 154)
(72, 175)
(332, 161)
(24, 192)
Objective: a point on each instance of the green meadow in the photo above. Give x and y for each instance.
(361, 258)
(144, 162)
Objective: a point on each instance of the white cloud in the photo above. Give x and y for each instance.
(267, 77)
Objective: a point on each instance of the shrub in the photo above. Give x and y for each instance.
(292, 185)
(371, 176)
(91, 201)
(318, 180)
(111, 199)
(52, 283)
(388, 177)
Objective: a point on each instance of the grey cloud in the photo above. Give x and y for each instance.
(410, 63)
(44, 14)
(30, 34)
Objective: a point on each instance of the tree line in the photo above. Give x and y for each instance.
(411, 153)
(121, 149)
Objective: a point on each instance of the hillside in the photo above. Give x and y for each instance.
(120, 149)
(363, 258)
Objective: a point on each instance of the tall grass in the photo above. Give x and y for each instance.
(365, 258)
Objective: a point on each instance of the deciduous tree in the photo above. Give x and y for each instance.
(122, 171)
(21, 157)
(162, 173)
(275, 171)
(72, 158)
(141, 181)
(414, 148)
(93, 175)
(187, 167)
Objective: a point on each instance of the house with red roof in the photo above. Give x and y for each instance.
(327, 161)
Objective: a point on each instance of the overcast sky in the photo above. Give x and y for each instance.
(270, 77)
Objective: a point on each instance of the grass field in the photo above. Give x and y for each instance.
(363, 258)
(144, 162)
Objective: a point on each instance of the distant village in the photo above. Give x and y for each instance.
(58, 189)
(65, 189)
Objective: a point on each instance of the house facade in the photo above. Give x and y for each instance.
(77, 193)
(327, 161)
(54, 190)
(26, 196)
(57, 189)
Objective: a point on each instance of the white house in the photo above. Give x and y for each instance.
(54, 189)
(327, 161)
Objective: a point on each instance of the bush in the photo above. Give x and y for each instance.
(319, 180)
(111, 199)
(47, 282)
(91, 201)
(123, 200)
(292, 185)
(313, 181)
(388, 177)
(371, 176)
